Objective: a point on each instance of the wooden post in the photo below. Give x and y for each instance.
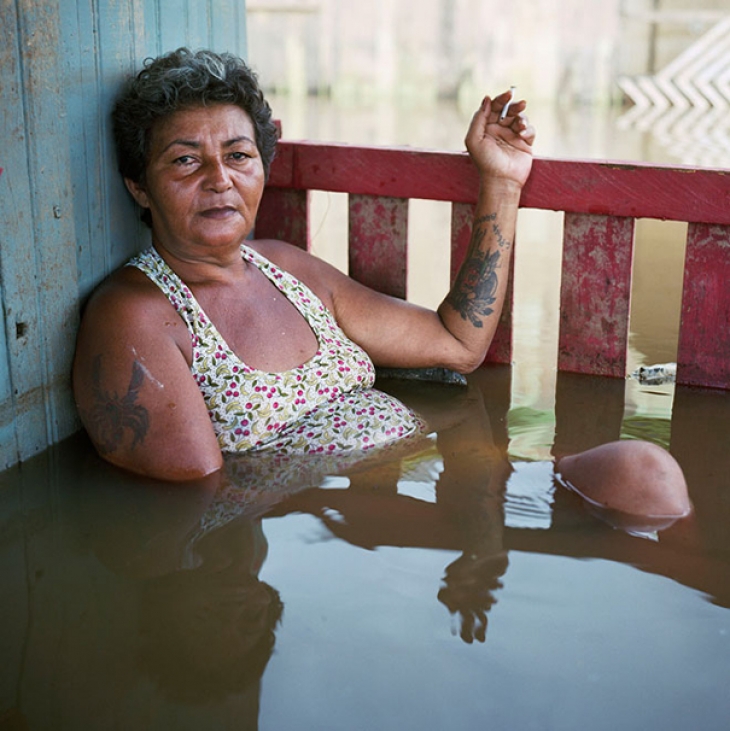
(703, 357)
(379, 243)
(284, 214)
(595, 294)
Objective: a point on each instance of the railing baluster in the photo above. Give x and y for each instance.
(378, 242)
(284, 214)
(462, 216)
(703, 357)
(595, 294)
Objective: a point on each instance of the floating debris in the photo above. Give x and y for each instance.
(656, 374)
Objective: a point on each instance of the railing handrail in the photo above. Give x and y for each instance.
(605, 187)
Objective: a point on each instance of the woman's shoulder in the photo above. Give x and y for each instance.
(279, 252)
(317, 274)
(128, 312)
(126, 293)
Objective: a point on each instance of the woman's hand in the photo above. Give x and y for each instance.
(501, 148)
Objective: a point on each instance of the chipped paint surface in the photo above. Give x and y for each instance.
(703, 357)
(378, 243)
(595, 294)
(67, 219)
(284, 215)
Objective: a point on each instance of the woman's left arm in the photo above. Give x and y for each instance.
(399, 334)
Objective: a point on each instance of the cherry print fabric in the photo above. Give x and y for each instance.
(326, 405)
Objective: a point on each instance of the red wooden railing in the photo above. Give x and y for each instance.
(601, 201)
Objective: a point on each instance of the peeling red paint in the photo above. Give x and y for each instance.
(595, 294)
(284, 215)
(703, 357)
(378, 243)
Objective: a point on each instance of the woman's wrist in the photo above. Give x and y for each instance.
(504, 188)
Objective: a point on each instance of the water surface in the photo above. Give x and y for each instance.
(453, 587)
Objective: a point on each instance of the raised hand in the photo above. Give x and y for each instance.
(501, 148)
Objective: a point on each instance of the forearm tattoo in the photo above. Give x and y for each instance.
(112, 415)
(474, 291)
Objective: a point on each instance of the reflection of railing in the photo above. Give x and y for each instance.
(601, 201)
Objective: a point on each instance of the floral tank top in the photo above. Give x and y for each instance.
(326, 405)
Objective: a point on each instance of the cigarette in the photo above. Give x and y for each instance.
(506, 107)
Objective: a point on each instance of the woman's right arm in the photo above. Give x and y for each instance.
(135, 394)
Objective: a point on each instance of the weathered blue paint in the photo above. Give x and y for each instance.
(66, 219)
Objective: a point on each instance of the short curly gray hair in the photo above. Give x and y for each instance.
(181, 80)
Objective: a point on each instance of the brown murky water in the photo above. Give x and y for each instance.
(455, 587)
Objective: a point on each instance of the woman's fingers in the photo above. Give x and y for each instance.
(528, 134)
(494, 108)
(506, 106)
(524, 129)
(496, 145)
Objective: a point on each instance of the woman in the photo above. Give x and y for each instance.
(210, 343)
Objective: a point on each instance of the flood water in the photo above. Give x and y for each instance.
(455, 587)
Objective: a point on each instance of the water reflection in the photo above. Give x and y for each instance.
(133, 605)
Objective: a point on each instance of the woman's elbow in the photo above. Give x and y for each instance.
(469, 367)
(466, 361)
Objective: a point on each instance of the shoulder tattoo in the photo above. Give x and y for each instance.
(112, 416)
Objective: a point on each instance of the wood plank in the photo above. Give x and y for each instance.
(576, 186)
(228, 27)
(632, 190)
(219, 25)
(703, 357)
(595, 294)
(121, 47)
(284, 215)
(378, 232)
(80, 34)
(37, 248)
(462, 217)
(99, 48)
(17, 226)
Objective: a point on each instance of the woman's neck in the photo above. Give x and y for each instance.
(217, 265)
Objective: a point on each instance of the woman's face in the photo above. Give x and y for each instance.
(204, 179)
